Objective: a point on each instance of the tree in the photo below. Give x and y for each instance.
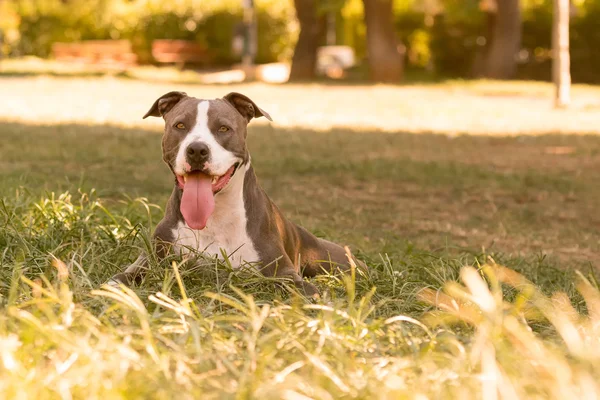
(312, 27)
(505, 40)
(385, 61)
(561, 60)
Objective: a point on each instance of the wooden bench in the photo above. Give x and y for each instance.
(106, 52)
(179, 52)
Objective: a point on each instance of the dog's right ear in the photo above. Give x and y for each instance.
(164, 104)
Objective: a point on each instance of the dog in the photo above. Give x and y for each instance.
(217, 205)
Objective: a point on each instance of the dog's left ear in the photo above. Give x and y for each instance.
(246, 107)
(164, 104)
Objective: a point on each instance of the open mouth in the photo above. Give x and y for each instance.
(218, 183)
(198, 198)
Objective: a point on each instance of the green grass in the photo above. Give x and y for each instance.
(443, 223)
(376, 191)
(211, 332)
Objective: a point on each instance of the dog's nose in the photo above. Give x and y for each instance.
(197, 153)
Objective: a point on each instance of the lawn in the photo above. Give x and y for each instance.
(445, 195)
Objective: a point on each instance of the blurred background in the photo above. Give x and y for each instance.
(407, 40)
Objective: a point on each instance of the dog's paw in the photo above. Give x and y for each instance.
(113, 283)
(309, 290)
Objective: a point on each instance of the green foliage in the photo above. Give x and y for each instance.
(445, 36)
(454, 46)
(43, 22)
(413, 33)
(450, 35)
(277, 30)
(584, 41)
(457, 40)
(212, 23)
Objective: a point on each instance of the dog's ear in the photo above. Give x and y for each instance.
(164, 104)
(246, 107)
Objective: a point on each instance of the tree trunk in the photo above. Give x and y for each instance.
(561, 60)
(482, 56)
(506, 41)
(385, 61)
(304, 61)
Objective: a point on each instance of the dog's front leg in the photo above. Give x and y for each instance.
(284, 268)
(134, 273)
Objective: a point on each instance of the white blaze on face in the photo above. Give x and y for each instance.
(220, 160)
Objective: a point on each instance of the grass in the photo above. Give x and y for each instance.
(473, 244)
(217, 333)
(378, 192)
(404, 329)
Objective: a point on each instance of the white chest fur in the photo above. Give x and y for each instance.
(225, 230)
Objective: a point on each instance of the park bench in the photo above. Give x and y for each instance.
(179, 52)
(106, 52)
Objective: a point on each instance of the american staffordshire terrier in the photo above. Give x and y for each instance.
(217, 204)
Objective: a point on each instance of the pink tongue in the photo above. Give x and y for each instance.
(197, 202)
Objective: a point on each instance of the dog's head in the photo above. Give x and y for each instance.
(204, 144)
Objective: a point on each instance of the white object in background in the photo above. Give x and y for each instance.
(334, 57)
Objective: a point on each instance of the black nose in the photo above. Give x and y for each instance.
(197, 154)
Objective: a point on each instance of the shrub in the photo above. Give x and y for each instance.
(211, 22)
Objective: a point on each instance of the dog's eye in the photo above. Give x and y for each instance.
(180, 126)
(223, 128)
